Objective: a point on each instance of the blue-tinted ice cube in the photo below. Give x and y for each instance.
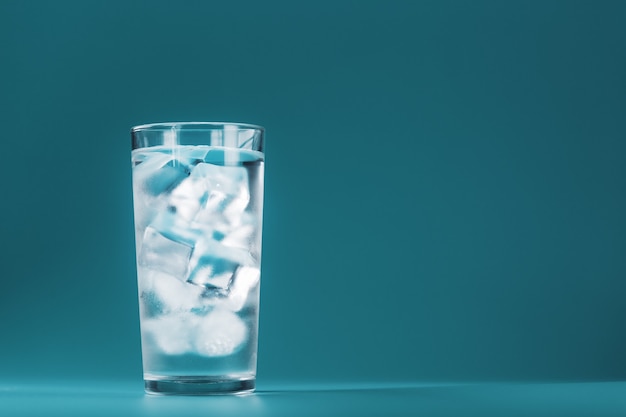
(167, 177)
(212, 272)
(159, 172)
(227, 193)
(213, 265)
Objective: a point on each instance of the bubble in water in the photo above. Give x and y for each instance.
(220, 333)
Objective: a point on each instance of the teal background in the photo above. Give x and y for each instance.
(445, 184)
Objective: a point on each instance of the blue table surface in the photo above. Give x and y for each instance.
(89, 398)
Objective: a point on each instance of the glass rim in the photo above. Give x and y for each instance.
(198, 126)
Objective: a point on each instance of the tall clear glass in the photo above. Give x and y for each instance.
(198, 202)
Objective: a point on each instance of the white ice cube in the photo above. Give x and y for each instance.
(173, 334)
(187, 199)
(212, 264)
(169, 293)
(239, 237)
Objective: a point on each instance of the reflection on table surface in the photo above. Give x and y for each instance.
(79, 398)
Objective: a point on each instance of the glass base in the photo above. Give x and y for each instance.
(187, 385)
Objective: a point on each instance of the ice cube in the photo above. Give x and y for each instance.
(164, 254)
(154, 176)
(219, 333)
(173, 334)
(239, 237)
(146, 163)
(167, 177)
(245, 279)
(213, 265)
(227, 193)
(235, 296)
(176, 228)
(212, 273)
(164, 294)
(159, 172)
(139, 159)
(187, 199)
